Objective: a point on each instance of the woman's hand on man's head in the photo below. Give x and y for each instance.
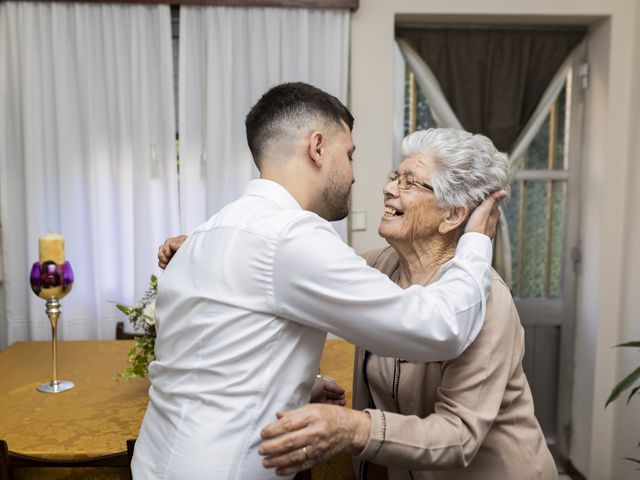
(484, 218)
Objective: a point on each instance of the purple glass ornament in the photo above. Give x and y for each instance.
(67, 274)
(34, 278)
(50, 279)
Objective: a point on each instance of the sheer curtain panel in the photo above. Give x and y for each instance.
(229, 57)
(87, 149)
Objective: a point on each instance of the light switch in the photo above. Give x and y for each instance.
(358, 221)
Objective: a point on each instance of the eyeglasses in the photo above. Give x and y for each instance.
(406, 181)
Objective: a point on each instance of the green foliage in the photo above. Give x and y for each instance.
(139, 357)
(626, 383)
(142, 316)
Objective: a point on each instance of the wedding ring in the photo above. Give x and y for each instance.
(306, 453)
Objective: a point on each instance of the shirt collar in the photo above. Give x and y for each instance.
(272, 191)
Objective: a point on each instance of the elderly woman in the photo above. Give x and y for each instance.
(467, 418)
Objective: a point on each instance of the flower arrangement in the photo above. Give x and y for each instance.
(142, 315)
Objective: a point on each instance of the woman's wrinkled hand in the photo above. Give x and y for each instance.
(484, 218)
(306, 436)
(168, 249)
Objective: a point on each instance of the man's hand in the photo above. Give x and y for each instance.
(484, 219)
(168, 249)
(301, 438)
(326, 390)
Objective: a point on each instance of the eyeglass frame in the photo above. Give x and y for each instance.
(394, 176)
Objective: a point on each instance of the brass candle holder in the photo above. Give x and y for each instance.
(52, 281)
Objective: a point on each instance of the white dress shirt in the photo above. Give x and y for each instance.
(242, 314)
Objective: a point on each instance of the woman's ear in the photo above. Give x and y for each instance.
(453, 219)
(317, 142)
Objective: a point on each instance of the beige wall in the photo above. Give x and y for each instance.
(608, 286)
(3, 319)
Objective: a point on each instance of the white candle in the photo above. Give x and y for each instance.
(52, 248)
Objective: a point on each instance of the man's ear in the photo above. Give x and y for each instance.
(453, 219)
(317, 142)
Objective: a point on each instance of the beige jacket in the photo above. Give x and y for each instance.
(467, 418)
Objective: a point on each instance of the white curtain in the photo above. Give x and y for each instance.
(229, 57)
(87, 149)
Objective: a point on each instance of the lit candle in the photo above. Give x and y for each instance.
(52, 248)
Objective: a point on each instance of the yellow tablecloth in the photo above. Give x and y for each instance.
(99, 415)
(95, 418)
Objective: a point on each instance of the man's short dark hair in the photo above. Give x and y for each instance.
(290, 105)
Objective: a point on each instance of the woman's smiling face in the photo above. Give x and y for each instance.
(411, 214)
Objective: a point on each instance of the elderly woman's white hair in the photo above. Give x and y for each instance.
(467, 167)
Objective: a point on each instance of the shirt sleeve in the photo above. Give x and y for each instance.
(469, 399)
(320, 282)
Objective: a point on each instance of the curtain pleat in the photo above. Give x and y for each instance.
(549, 96)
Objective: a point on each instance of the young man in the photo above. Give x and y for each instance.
(244, 306)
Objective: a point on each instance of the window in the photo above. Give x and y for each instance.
(536, 211)
(417, 114)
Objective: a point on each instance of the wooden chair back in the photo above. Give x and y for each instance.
(9, 461)
(121, 334)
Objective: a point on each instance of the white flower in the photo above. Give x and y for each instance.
(149, 313)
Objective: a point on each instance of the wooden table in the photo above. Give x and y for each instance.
(95, 418)
(101, 413)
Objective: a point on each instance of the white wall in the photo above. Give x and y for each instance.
(607, 291)
(627, 417)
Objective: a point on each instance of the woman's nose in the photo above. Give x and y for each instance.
(391, 189)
